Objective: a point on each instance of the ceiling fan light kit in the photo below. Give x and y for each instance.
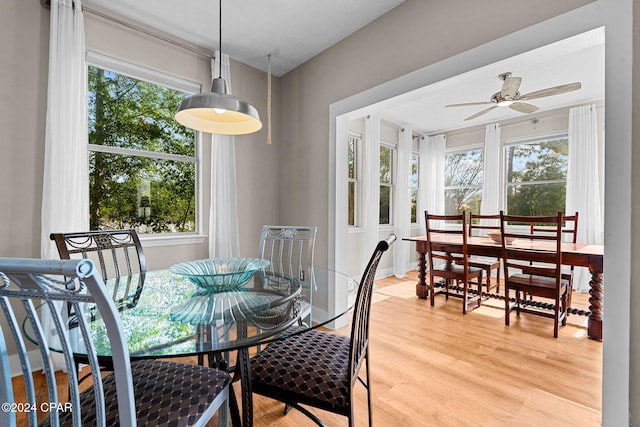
(218, 111)
(510, 97)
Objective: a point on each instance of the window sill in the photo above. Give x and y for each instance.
(151, 241)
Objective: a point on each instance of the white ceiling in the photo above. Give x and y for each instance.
(292, 31)
(579, 58)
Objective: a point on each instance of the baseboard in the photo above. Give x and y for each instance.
(34, 359)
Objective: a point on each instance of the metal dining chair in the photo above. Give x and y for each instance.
(317, 368)
(290, 251)
(117, 254)
(145, 392)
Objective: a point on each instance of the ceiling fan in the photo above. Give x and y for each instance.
(510, 97)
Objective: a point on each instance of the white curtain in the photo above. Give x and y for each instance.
(583, 186)
(490, 204)
(371, 196)
(436, 148)
(224, 239)
(401, 203)
(65, 190)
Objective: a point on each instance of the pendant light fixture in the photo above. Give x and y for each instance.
(218, 111)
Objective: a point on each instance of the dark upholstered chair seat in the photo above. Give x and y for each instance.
(309, 368)
(166, 394)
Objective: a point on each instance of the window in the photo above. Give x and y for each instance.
(414, 186)
(463, 181)
(536, 175)
(142, 163)
(386, 183)
(352, 177)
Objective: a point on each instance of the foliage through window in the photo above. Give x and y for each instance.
(463, 181)
(142, 163)
(414, 185)
(386, 183)
(536, 176)
(352, 178)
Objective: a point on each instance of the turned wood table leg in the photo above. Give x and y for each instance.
(594, 326)
(421, 287)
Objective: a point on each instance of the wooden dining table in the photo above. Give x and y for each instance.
(575, 254)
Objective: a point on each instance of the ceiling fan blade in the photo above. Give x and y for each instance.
(523, 107)
(510, 87)
(480, 113)
(466, 104)
(556, 90)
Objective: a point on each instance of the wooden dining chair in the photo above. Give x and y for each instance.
(320, 369)
(451, 261)
(569, 234)
(478, 226)
(144, 392)
(534, 267)
(118, 255)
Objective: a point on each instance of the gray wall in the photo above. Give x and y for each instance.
(419, 36)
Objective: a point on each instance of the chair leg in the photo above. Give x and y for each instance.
(507, 306)
(480, 289)
(366, 357)
(432, 290)
(465, 296)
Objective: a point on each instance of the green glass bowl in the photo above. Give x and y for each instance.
(220, 273)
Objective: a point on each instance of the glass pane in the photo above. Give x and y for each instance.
(352, 204)
(538, 199)
(352, 158)
(413, 172)
(150, 195)
(130, 113)
(385, 204)
(463, 168)
(542, 161)
(386, 159)
(414, 206)
(462, 199)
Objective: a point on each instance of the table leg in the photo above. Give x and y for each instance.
(421, 287)
(594, 325)
(242, 373)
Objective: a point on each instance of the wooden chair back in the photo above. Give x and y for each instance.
(479, 223)
(538, 262)
(439, 252)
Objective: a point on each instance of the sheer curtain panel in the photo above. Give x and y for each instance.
(65, 188)
(583, 186)
(224, 239)
(401, 203)
(436, 150)
(371, 196)
(490, 204)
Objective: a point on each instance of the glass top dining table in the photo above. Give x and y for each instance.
(165, 315)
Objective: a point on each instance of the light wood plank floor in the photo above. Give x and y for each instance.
(432, 366)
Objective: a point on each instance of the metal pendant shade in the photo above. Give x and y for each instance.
(218, 111)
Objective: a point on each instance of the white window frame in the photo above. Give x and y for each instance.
(416, 187)
(392, 178)
(523, 141)
(357, 180)
(464, 149)
(104, 62)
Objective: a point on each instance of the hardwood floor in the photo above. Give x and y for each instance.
(432, 366)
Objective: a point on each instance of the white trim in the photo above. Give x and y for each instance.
(15, 367)
(156, 240)
(138, 72)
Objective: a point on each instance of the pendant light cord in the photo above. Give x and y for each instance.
(269, 101)
(220, 38)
